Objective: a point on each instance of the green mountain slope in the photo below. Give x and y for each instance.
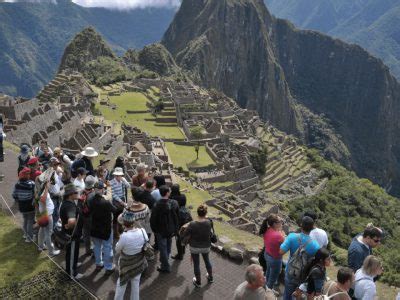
(34, 35)
(373, 24)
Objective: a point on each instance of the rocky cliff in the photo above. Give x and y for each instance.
(330, 94)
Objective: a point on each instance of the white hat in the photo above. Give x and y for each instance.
(118, 171)
(89, 152)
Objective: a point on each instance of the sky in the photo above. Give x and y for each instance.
(117, 4)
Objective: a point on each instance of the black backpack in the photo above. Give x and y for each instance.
(184, 215)
(169, 221)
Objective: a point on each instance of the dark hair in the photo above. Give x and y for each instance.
(344, 274)
(311, 214)
(149, 184)
(175, 190)
(160, 180)
(372, 232)
(319, 258)
(307, 224)
(202, 210)
(268, 222)
(164, 190)
(119, 163)
(81, 171)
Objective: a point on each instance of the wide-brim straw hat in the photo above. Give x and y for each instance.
(118, 172)
(90, 152)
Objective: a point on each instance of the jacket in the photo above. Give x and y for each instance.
(24, 194)
(357, 253)
(101, 211)
(164, 218)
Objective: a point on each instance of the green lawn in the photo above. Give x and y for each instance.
(185, 156)
(222, 184)
(19, 260)
(145, 121)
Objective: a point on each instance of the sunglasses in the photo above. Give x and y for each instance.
(376, 241)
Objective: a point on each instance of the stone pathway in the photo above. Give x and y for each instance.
(176, 285)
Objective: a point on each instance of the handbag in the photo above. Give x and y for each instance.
(213, 236)
(42, 218)
(147, 249)
(60, 237)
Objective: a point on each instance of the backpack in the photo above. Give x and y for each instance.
(169, 221)
(70, 156)
(326, 297)
(299, 261)
(184, 215)
(83, 200)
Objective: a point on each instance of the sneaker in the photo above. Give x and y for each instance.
(196, 283)
(78, 276)
(55, 253)
(40, 249)
(210, 279)
(28, 240)
(98, 268)
(162, 270)
(109, 272)
(24, 236)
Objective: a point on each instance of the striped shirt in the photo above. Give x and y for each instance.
(118, 189)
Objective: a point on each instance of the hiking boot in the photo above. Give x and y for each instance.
(162, 270)
(210, 279)
(78, 276)
(196, 283)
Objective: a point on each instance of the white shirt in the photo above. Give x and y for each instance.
(131, 242)
(320, 236)
(80, 184)
(56, 188)
(49, 205)
(364, 287)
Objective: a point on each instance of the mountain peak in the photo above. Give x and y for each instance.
(86, 46)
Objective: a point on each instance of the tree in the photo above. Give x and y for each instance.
(197, 134)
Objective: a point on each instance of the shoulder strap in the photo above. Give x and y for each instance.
(144, 238)
(329, 288)
(212, 225)
(336, 294)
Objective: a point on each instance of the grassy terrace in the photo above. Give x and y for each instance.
(145, 121)
(185, 156)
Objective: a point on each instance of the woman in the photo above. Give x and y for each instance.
(198, 235)
(317, 273)
(271, 229)
(132, 261)
(365, 287)
(177, 195)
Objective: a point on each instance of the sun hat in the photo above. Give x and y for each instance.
(90, 182)
(70, 189)
(90, 152)
(32, 161)
(25, 172)
(118, 172)
(24, 149)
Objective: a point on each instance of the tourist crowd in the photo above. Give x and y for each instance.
(65, 201)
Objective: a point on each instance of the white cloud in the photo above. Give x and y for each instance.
(127, 4)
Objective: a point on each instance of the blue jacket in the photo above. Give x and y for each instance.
(357, 253)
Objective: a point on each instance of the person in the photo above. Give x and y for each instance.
(317, 234)
(24, 195)
(144, 195)
(253, 287)
(141, 177)
(132, 261)
(79, 181)
(119, 186)
(198, 233)
(33, 165)
(361, 246)
(2, 137)
(184, 218)
(293, 242)
(84, 162)
(141, 215)
(46, 205)
(364, 286)
(160, 181)
(101, 211)
(65, 162)
(339, 290)
(23, 157)
(44, 158)
(55, 188)
(72, 226)
(84, 199)
(103, 165)
(119, 163)
(316, 273)
(164, 222)
(38, 151)
(271, 229)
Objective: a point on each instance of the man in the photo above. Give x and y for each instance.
(361, 246)
(253, 287)
(317, 234)
(23, 157)
(38, 151)
(164, 222)
(23, 194)
(119, 186)
(72, 226)
(101, 211)
(144, 195)
(345, 280)
(85, 162)
(66, 163)
(45, 157)
(79, 181)
(141, 177)
(33, 165)
(84, 198)
(160, 180)
(2, 136)
(292, 242)
(56, 185)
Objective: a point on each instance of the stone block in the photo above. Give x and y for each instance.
(235, 254)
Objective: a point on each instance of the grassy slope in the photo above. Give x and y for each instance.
(19, 261)
(185, 156)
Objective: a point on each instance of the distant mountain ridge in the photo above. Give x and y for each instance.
(372, 24)
(34, 35)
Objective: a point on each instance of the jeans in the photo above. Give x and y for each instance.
(274, 267)
(86, 233)
(29, 219)
(196, 265)
(290, 286)
(103, 249)
(179, 247)
(71, 257)
(120, 290)
(45, 236)
(164, 246)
